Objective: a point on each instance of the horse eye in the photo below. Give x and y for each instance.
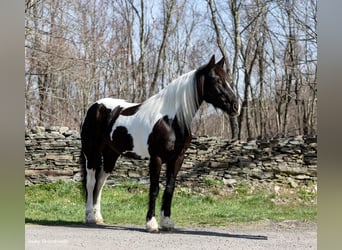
(235, 107)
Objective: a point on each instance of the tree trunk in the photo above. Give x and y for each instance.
(167, 20)
(231, 72)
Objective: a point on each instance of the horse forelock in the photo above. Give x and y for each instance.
(179, 99)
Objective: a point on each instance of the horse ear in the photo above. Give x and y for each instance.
(207, 67)
(211, 63)
(221, 62)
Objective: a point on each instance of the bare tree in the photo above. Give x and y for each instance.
(79, 51)
(168, 7)
(234, 7)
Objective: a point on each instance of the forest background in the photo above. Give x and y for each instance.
(78, 51)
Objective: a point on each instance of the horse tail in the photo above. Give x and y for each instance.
(87, 130)
(83, 174)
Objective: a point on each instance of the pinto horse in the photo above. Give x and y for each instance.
(158, 129)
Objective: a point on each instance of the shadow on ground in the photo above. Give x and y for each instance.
(198, 232)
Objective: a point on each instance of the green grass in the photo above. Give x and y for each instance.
(62, 203)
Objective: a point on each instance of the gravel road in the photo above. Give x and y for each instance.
(264, 235)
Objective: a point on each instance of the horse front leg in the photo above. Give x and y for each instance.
(171, 173)
(154, 168)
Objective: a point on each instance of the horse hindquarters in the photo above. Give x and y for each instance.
(93, 137)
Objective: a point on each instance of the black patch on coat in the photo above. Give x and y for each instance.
(122, 140)
(112, 116)
(130, 110)
(162, 139)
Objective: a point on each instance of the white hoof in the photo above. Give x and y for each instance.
(152, 225)
(166, 223)
(98, 218)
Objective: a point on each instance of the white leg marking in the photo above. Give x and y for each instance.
(90, 217)
(166, 223)
(97, 206)
(152, 225)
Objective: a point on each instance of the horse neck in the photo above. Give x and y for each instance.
(199, 84)
(188, 102)
(200, 89)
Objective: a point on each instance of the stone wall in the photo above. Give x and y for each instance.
(53, 153)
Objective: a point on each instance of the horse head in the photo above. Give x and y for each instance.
(213, 87)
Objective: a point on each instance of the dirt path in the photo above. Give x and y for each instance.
(265, 235)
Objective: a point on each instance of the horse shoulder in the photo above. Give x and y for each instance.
(162, 138)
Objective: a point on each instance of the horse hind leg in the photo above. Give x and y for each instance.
(100, 181)
(91, 166)
(109, 159)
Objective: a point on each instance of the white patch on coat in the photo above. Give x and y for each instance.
(152, 225)
(178, 98)
(112, 103)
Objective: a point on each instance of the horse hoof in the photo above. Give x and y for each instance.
(94, 221)
(99, 222)
(90, 222)
(152, 225)
(168, 228)
(90, 219)
(152, 230)
(98, 219)
(166, 223)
